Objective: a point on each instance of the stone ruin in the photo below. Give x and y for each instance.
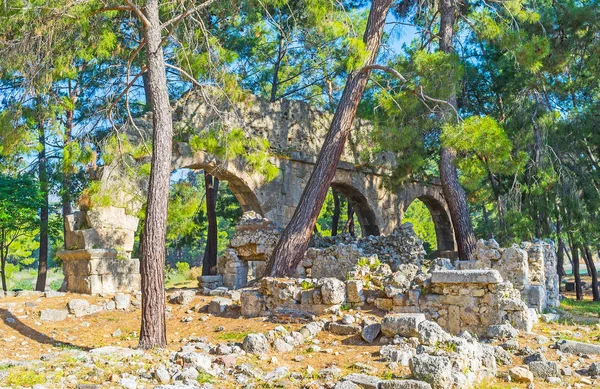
(510, 285)
(98, 256)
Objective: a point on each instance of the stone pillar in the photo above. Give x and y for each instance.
(98, 256)
(249, 249)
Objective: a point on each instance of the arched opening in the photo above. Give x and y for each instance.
(419, 216)
(345, 210)
(190, 217)
(432, 224)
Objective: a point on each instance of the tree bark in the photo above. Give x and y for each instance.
(351, 229)
(152, 261)
(66, 179)
(335, 219)
(209, 261)
(576, 275)
(275, 81)
(40, 284)
(453, 192)
(594, 273)
(3, 255)
(295, 238)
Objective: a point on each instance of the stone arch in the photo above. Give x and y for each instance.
(242, 184)
(365, 213)
(433, 198)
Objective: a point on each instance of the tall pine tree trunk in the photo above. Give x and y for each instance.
(209, 261)
(3, 255)
(594, 273)
(335, 219)
(152, 261)
(577, 276)
(66, 179)
(453, 192)
(40, 285)
(351, 229)
(295, 238)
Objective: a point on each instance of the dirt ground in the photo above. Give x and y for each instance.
(24, 337)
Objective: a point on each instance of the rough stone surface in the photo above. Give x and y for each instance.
(544, 369)
(404, 384)
(520, 374)
(573, 347)
(255, 344)
(437, 371)
(403, 324)
(53, 314)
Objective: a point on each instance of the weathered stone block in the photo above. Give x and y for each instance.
(466, 276)
(403, 324)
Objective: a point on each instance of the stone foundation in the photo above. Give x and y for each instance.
(98, 258)
(457, 300)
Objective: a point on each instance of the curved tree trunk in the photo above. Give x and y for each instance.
(295, 238)
(209, 260)
(152, 261)
(453, 192)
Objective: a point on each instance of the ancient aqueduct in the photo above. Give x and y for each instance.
(295, 133)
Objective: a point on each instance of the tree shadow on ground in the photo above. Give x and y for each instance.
(13, 322)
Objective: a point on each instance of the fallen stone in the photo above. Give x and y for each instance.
(53, 314)
(343, 329)
(403, 324)
(520, 374)
(363, 381)
(78, 307)
(182, 297)
(430, 333)
(573, 347)
(329, 373)
(535, 357)
(255, 344)
(502, 331)
(502, 356)
(594, 369)
(370, 332)
(544, 369)
(404, 384)
(162, 375)
(346, 385)
(437, 371)
(122, 301)
(277, 374)
(333, 291)
(219, 305)
(281, 346)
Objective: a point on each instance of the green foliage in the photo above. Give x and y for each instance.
(419, 216)
(229, 144)
(19, 377)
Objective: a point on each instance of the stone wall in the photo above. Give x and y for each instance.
(336, 256)
(98, 256)
(255, 238)
(530, 267)
(457, 300)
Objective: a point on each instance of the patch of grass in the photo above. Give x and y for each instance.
(584, 307)
(306, 285)
(233, 336)
(205, 378)
(388, 375)
(26, 378)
